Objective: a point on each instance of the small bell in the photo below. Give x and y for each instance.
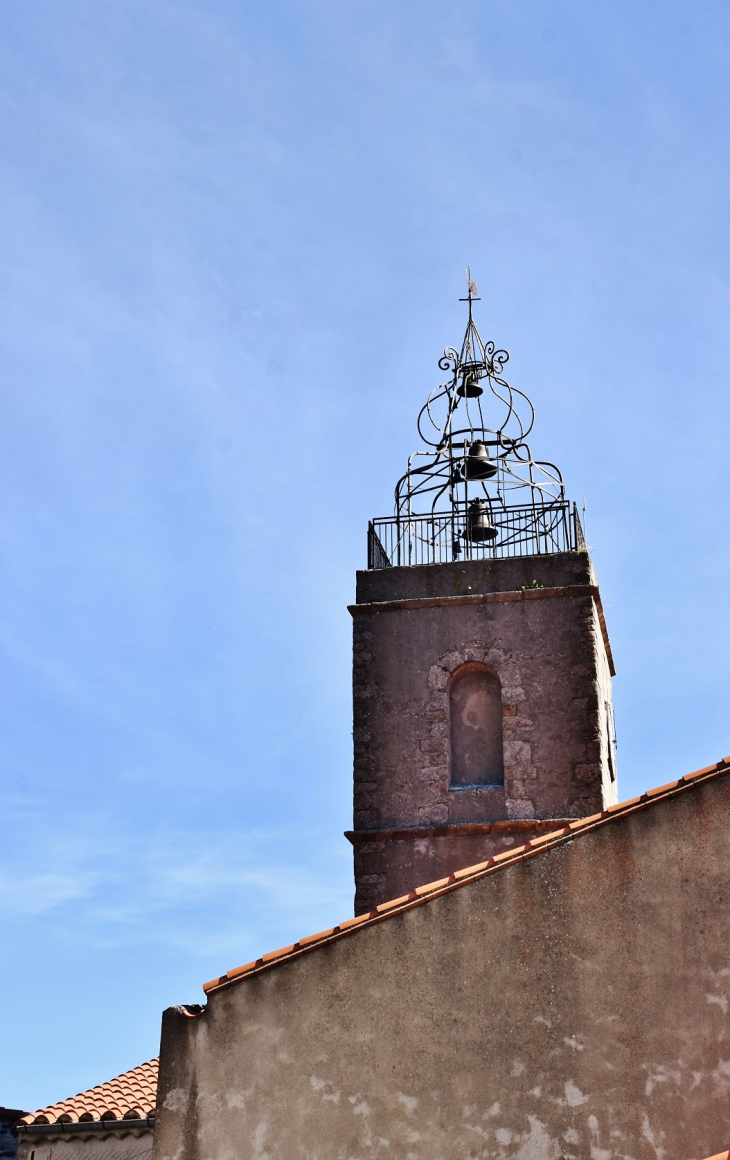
(478, 463)
(469, 386)
(479, 526)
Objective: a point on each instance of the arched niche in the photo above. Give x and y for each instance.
(475, 726)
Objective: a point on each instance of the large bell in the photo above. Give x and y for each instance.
(479, 526)
(478, 463)
(469, 386)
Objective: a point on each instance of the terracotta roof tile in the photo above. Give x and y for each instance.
(499, 862)
(583, 822)
(542, 838)
(386, 906)
(277, 954)
(622, 806)
(431, 887)
(312, 938)
(354, 921)
(129, 1096)
(651, 793)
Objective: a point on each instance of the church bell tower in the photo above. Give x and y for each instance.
(481, 667)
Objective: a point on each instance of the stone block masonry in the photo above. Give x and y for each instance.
(537, 623)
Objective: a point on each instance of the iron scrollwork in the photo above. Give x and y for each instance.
(475, 488)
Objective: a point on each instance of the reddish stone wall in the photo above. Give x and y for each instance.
(535, 623)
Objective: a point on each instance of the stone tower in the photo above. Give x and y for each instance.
(482, 667)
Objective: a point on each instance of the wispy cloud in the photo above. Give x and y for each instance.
(37, 894)
(166, 888)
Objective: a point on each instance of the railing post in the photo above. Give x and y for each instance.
(524, 530)
(580, 543)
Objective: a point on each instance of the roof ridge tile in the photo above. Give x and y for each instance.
(384, 907)
(660, 789)
(431, 886)
(541, 839)
(498, 862)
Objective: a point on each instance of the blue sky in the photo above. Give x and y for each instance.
(233, 240)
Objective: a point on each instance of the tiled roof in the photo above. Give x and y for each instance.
(131, 1096)
(422, 894)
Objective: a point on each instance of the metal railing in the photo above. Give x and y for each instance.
(530, 530)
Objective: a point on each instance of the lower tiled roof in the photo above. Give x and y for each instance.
(563, 833)
(131, 1096)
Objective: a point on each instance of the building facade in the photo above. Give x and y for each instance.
(114, 1121)
(564, 999)
(448, 659)
(481, 661)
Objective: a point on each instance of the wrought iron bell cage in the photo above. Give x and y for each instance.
(475, 491)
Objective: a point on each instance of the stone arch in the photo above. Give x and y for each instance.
(475, 726)
(479, 652)
(519, 775)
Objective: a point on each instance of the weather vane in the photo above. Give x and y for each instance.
(471, 288)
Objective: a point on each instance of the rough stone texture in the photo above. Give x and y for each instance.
(573, 1005)
(560, 568)
(550, 656)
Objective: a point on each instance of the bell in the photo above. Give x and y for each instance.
(469, 387)
(478, 464)
(479, 526)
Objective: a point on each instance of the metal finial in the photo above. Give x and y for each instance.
(475, 460)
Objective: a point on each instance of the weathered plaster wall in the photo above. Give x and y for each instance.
(117, 1141)
(548, 650)
(574, 1005)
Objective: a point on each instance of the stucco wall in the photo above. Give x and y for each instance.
(119, 1141)
(574, 1005)
(547, 649)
